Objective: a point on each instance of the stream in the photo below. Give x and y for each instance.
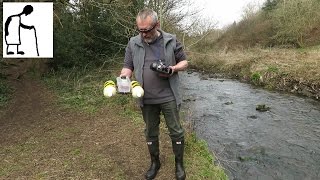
(280, 143)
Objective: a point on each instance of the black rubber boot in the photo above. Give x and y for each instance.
(153, 147)
(178, 150)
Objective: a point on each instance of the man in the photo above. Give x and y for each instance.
(161, 89)
(12, 29)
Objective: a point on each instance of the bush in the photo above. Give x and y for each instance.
(90, 32)
(294, 23)
(295, 20)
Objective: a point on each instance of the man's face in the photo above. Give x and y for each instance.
(147, 29)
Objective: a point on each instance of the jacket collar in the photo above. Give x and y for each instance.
(166, 38)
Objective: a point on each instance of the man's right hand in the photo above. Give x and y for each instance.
(125, 72)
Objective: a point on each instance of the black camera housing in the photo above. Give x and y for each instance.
(160, 67)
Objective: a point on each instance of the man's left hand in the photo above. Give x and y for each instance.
(168, 75)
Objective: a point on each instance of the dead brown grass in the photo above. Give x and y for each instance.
(291, 70)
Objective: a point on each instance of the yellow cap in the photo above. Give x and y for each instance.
(134, 84)
(109, 83)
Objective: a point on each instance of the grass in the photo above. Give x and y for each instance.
(5, 92)
(78, 163)
(291, 70)
(81, 90)
(200, 161)
(255, 77)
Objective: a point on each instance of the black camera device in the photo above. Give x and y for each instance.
(160, 67)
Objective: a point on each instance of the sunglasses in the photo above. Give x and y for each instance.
(147, 30)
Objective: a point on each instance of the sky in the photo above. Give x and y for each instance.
(224, 12)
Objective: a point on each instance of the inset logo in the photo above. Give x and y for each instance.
(28, 30)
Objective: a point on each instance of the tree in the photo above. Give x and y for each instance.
(270, 5)
(294, 19)
(92, 32)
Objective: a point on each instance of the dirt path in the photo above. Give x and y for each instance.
(41, 140)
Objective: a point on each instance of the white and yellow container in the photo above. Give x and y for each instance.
(136, 90)
(109, 89)
(123, 84)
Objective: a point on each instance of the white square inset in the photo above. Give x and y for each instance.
(28, 30)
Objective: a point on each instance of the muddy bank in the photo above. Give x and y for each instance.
(268, 81)
(288, 70)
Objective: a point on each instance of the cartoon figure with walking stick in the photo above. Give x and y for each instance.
(12, 30)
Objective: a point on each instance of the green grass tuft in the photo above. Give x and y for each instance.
(200, 161)
(255, 77)
(5, 93)
(80, 89)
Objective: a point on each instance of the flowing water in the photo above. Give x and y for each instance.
(281, 143)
